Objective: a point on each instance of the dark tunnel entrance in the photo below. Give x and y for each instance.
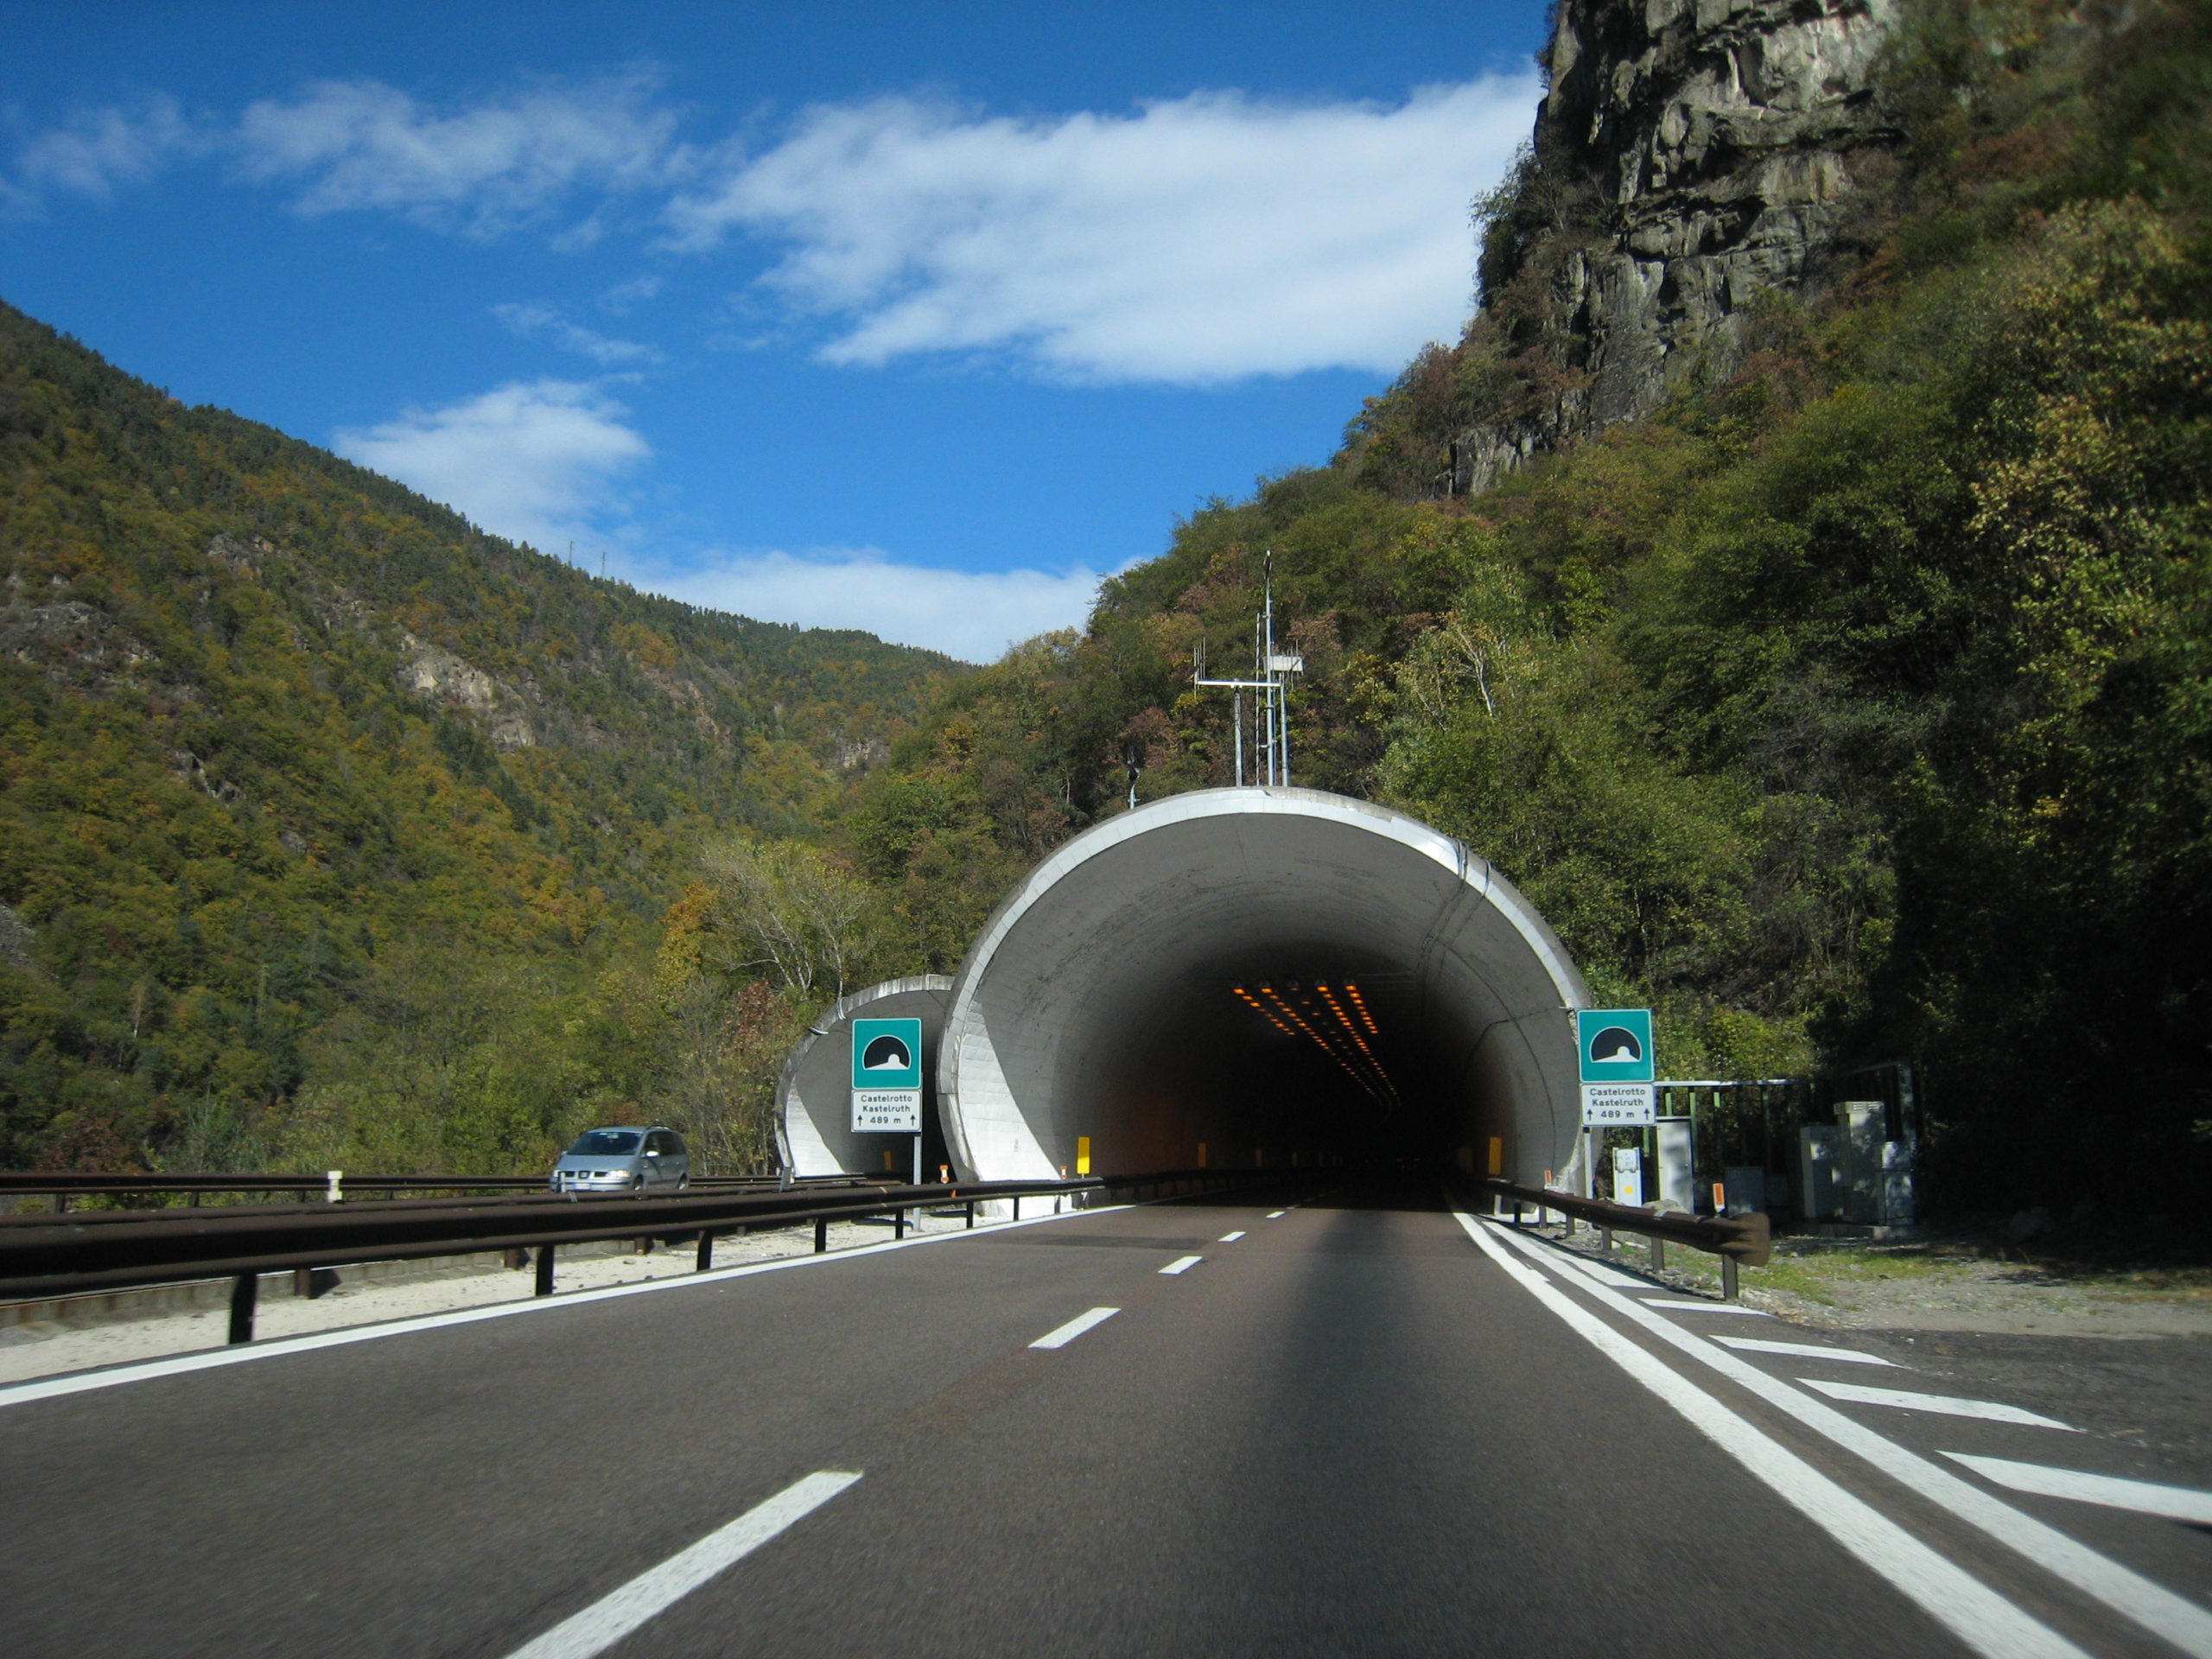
(1270, 975)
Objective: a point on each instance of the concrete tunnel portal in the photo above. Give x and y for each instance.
(1275, 975)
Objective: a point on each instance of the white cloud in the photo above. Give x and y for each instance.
(486, 168)
(1202, 239)
(623, 297)
(971, 614)
(102, 148)
(543, 321)
(534, 463)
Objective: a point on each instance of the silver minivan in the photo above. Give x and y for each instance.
(624, 1160)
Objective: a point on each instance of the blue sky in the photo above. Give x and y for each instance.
(897, 317)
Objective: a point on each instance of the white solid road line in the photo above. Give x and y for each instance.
(2147, 1497)
(1183, 1264)
(1075, 1327)
(1948, 1405)
(1985, 1620)
(607, 1620)
(1704, 1307)
(46, 1388)
(1806, 1350)
(1230, 1238)
(2126, 1591)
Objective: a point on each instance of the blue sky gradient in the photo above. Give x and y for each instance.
(878, 317)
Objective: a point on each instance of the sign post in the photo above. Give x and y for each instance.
(887, 1081)
(1618, 1072)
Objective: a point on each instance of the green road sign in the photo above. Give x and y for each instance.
(888, 1054)
(887, 1077)
(1615, 1043)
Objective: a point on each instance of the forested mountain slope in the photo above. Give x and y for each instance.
(298, 769)
(1853, 699)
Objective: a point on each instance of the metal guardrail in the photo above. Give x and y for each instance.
(1738, 1241)
(62, 1186)
(44, 1256)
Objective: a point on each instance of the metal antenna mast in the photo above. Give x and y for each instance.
(1272, 670)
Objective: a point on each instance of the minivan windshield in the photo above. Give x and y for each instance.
(604, 1143)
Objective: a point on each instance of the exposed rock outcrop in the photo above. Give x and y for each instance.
(1724, 138)
(436, 675)
(71, 643)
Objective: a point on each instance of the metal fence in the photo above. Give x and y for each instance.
(47, 1257)
(1738, 1241)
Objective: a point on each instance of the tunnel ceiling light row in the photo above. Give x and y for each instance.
(1357, 1059)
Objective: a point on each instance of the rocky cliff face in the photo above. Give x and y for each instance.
(1722, 139)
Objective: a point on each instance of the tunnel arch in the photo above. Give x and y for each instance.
(1274, 975)
(813, 1113)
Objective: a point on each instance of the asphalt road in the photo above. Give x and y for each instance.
(1350, 1431)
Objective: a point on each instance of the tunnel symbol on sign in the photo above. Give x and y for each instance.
(886, 1053)
(1616, 1045)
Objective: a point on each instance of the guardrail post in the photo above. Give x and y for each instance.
(971, 1214)
(706, 1250)
(244, 1289)
(1728, 1278)
(899, 1222)
(821, 1234)
(544, 1270)
(1605, 1241)
(1658, 1252)
(61, 1204)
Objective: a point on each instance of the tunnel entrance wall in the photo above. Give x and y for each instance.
(1096, 1002)
(814, 1096)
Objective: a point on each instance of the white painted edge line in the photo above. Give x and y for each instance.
(47, 1388)
(2145, 1496)
(1706, 1307)
(2126, 1591)
(1618, 1279)
(1060, 1337)
(1277, 1215)
(1182, 1264)
(613, 1616)
(1230, 1238)
(1985, 1620)
(1806, 1350)
(1945, 1404)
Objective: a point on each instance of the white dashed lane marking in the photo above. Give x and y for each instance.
(1075, 1327)
(1947, 1405)
(1183, 1264)
(1230, 1238)
(1277, 1215)
(613, 1617)
(1705, 1308)
(2146, 1497)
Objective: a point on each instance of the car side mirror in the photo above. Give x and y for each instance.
(652, 1152)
